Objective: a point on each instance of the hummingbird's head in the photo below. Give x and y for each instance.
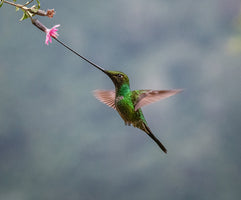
(118, 78)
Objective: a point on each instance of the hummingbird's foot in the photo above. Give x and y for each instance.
(127, 123)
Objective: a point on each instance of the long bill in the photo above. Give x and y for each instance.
(76, 53)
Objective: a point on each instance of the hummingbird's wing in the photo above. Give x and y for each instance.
(106, 96)
(146, 97)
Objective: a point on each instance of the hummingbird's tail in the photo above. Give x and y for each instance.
(145, 128)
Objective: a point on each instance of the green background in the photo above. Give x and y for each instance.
(58, 142)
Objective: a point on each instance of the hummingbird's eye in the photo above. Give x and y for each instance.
(119, 75)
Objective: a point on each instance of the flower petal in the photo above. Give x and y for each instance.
(51, 33)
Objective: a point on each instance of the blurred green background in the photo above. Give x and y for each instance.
(58, 142)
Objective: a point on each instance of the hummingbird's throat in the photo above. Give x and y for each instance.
(122, 90)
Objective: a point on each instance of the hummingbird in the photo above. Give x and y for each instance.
(126, 102)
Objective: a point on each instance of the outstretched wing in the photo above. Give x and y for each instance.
(106, 96)
(149, 96)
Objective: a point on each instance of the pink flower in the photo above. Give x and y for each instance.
(51, 33)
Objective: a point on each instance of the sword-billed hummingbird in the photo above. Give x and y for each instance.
(128, 103)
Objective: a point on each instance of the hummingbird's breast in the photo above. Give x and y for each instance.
(126, 109)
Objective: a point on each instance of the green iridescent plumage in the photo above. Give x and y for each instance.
(128, 103)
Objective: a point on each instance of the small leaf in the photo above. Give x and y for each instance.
(38, 4)
(1, 3)
(17, 9)
(14, 0)
(25, 16)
